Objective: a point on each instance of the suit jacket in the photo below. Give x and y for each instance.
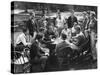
(61, 45)
(71, 21)
(79, 39)
(31, 26)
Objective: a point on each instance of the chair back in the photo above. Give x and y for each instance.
(64, 52)
(19, 62)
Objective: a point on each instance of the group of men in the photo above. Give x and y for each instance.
(70, 32)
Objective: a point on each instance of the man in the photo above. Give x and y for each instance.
(38, 53)
(49, 34)
(22, 40)
(61, 46)
(46, 12)
(32, 25)
(63, 42)
(80, 23)
(66, 31)
(93, 34)
(59, 23)
(73, 29)
(85, 20)
(93, 22)
(71, 19)
(58, 11)
(79, 38)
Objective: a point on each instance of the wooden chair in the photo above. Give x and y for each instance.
(64, 54)
(83, 53)
(20, 62)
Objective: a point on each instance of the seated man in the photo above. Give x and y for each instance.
(49, 34)
(66, 31)
(73, 29)
(62, 50)
(79, 37)
(77, 40)
(42, 45)
(63, 43)
(38, 53)
(22, 40)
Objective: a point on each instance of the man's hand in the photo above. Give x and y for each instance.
(29, 44)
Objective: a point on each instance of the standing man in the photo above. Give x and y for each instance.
(93, 34)
(71, 19)
(59, 23)
(85, 20)
(31, 24)
(88, 20)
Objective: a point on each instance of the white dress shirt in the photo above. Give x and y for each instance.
(60, 22)
(67, 33)
(22, 39)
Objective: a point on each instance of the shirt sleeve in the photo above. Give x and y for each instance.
(23, 40)
(17, 41)
(62, 31)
